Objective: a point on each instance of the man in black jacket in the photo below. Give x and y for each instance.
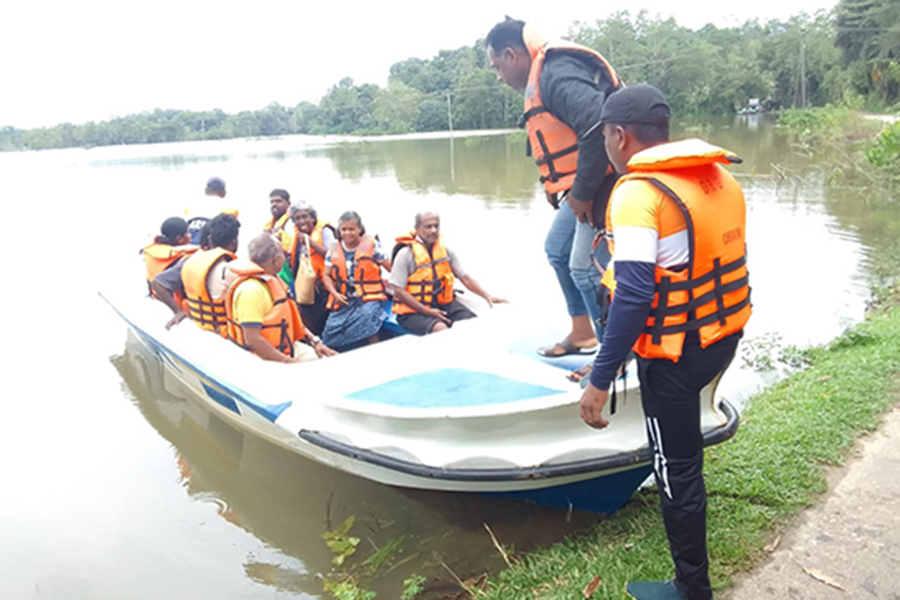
(565, 87)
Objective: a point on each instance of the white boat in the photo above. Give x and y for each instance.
(470, 409)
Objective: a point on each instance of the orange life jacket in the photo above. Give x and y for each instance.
(367, 282)
(316, 259)
(205, 311)
(159, 257)
(281, 231)
(432, 281)
(554, 144)
(281, 326)
(711, 294)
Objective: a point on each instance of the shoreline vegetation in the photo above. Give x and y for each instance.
(772, 469)
(757, 483)
(856, 148)
(845, 57)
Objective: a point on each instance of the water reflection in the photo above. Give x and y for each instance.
(250, 522)
(288, 502)
(874, 217)
(493, 167)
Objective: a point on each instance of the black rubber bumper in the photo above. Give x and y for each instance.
(614, 462)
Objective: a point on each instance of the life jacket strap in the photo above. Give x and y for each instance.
(284, 340)
(716, 273)
(530, 113)
(206, 313)
(549, 157)
(558, 176)
(659, 313)
(717, 294)
(695, 324)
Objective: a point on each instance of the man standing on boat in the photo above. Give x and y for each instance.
(681, 300)
(422, 278)
(261, 317)
(199, 215)
(565, 85)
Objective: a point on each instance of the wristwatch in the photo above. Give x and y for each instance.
(314, 339)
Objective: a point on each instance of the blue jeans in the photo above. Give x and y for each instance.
(568, 248)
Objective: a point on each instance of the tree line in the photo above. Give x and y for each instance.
(849, 56)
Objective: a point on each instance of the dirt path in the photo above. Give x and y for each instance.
(848, 545)
(885, 118)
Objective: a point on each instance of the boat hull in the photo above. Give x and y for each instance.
(462, 449)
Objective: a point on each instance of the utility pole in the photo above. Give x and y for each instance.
(449, 113)
(803, 67)
(450, 123)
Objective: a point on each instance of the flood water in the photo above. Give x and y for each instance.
(115, 486)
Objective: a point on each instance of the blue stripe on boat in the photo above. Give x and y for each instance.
(604, 494)
(450, 388)
(269, 411)
(223, 399)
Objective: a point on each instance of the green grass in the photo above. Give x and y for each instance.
(757, 482)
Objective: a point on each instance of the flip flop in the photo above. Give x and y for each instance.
(580, 374)
(567, 346)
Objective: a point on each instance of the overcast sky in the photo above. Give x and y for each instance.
(95, 59)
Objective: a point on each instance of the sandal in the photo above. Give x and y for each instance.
(580, 374)
(567, 348)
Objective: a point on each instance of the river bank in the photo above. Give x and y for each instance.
(849, 543)
(758, 483)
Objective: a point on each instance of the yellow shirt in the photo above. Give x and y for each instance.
(252, 302)
(647, 226)
(282, 230)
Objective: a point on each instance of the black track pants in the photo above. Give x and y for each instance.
(670, 393)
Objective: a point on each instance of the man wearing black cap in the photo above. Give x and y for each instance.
(565, 86)
(680, 300)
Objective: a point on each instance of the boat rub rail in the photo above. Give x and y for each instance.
(716, 436)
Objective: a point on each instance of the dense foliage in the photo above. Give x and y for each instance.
(848, 57)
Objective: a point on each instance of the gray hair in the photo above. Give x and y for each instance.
(304, 207)
(423, 214)
(263, 248)
(353, 216)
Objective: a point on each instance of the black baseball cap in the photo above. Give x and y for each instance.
(636, 104)
(173, 228)
(215, 184)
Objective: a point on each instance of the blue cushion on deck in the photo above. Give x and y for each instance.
(451, 388)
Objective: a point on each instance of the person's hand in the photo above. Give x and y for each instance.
(175, 320)
(582, 209)
(341, 299)
(438, 314)
(323, 351)
(553, 199)
(492, 300)
(592, 403)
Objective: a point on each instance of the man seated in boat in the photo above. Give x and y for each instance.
(172, 243)
(352, 278)
(422, 279)
(202, 279)
(262, 318)
(280, 227)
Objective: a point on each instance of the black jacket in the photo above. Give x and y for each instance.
(569, 92)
